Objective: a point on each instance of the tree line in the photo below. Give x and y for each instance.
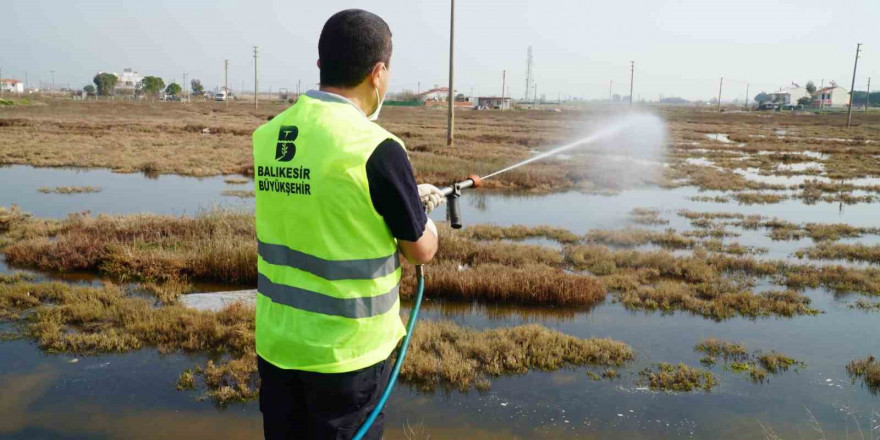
(105, 85)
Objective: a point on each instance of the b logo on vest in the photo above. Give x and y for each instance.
(285, 149)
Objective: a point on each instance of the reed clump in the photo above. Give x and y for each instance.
(69, 190)
(717, 347)
(240, 193)
(863, 304)
(212, 246)
(445, 355)
(738, 359)
(236, 180)
(519, 232)
(839, 251)
(647, 216)
(89, 320)
(677, 378)
(531, 284)
(758, 198)
(868, 369)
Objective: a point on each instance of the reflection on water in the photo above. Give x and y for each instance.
(120, 193)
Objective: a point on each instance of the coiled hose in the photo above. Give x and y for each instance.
(410, 326)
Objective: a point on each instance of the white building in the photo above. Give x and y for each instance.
(11, 85)
(128, 80)
(834, 96)
(789, 95)
(435, 94)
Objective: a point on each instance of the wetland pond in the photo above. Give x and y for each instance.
(133, 395)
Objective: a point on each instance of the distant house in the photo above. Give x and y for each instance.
(834, 96)
(789, 95)
(11, 85)
(493, 103)
(436, 94)
(128, 81)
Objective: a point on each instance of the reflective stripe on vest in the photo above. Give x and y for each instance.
(363, 269)
(362, 307)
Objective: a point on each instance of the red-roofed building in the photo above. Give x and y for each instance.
(11, 85)
(834, 96)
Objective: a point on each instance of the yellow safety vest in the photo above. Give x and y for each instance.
(328, 268)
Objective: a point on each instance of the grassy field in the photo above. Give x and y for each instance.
(158, 137)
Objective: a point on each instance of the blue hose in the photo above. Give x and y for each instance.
(410, 326)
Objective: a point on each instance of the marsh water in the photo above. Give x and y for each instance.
(132, 395)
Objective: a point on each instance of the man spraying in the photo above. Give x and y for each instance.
(336, 200)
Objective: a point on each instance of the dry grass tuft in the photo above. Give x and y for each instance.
(838, 251)
(213, 246)
(531, 284)
(240, 193)
(237, 180)
(728, 350)
(519, 232)
(446, 355)
(88, 320)
(69, 189)
(775, 362)
(647, 216)
(680, 378)
(868, 369)
(863, 304)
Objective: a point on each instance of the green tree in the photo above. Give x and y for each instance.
(805, 101)
(811, 87)
(105, 82)
(173, 89)
(152, 85)
(89, 89)
(197, 88)
(762, 97)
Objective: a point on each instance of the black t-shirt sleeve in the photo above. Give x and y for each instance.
(393, 191)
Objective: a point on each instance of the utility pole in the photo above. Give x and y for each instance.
(721, 84)
(536, 95)
(853, 86)
(529, 77)
(53, 80)
(185, 90)
(632, 75)
(256, 83)
(747, 96)
(503, 85)
(868, 97)
(1, 85)
(226, 81)
(419, 88)
(25, 82)
(451, 100)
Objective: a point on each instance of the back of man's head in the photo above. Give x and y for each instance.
(351, 44)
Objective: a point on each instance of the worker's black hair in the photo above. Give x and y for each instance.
(351, 44)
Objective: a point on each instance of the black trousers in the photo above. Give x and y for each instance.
(305, 405)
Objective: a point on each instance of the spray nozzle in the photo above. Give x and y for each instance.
(452, 193)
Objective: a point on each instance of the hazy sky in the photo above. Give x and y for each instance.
(681, 47)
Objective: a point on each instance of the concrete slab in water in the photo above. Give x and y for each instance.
(217, 300)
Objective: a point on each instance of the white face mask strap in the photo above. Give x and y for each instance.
(375, 115)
